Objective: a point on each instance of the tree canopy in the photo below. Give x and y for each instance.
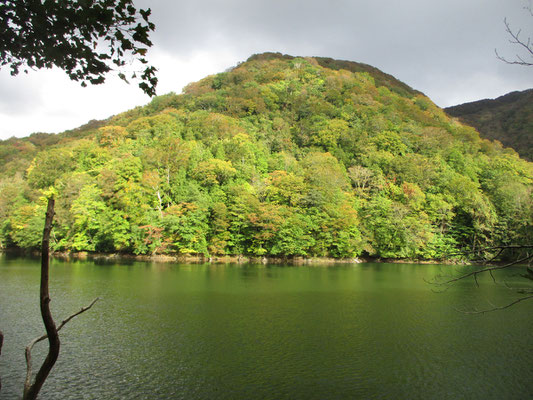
(279, 156)
(85, 38)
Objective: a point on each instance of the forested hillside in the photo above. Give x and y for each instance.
(278, 156)
(508, 118)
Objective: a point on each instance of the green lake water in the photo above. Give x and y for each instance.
(362, 331)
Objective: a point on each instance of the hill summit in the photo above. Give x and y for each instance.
(283, 156)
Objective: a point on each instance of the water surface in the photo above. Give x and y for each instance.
(167, 331)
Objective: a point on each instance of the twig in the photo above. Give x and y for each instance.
(45, 336)
(497, 308)
(526, 259)
(480, 271)
(492, 276)
(528, 46)
(496, 256)
(503, 247)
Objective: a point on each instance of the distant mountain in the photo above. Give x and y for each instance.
(508, 118)
(280, 156)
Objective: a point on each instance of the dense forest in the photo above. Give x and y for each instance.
(508, 118)
(280, 156)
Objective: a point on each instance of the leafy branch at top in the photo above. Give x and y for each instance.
(85, 38)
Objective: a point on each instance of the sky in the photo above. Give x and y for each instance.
(445, 49)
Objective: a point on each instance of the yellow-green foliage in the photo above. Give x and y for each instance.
(280, 155)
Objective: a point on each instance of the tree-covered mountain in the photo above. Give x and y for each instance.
(508, 118)
(280, 155)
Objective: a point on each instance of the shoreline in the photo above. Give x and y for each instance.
(223, 259)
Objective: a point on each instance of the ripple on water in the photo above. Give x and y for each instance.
(366, 331)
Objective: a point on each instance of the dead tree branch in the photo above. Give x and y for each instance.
(492, 248)
(31, 390)
(489, 269)
(43, 337)
(494, 308)
(486, 269)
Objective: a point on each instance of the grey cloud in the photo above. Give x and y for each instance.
(418, 41)
(14, 99)
(442, 48)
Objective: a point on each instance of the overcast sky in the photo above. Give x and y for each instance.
(444, 48)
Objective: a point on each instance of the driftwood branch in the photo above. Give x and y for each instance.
(43, 337)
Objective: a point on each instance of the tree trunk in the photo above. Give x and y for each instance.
(1, 343)
(31, 391)
(160, 207)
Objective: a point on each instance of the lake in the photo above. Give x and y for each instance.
(170, 331)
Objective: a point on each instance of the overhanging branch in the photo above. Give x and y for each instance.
(487, 269)
(525, 44)
(497, 308)
(525, 258)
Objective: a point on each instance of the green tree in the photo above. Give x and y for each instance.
(49, 166)
(214, 172)
(186, 225)
(26, 226)
(295, 235)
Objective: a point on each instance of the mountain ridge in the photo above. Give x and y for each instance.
(507, 118)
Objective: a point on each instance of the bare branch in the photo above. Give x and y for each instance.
(487, 269)
(528, 274)
(45, 336)
(525, 44)
(496, 256)
(497, 308)
(490, 269)
(485, 249)
(492, 276)
(82, 310)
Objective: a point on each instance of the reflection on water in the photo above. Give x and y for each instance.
(165, 331)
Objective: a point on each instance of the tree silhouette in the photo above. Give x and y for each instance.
(525, 57)
(86, 38)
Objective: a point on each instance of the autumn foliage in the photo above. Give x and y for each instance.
(279, 156)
